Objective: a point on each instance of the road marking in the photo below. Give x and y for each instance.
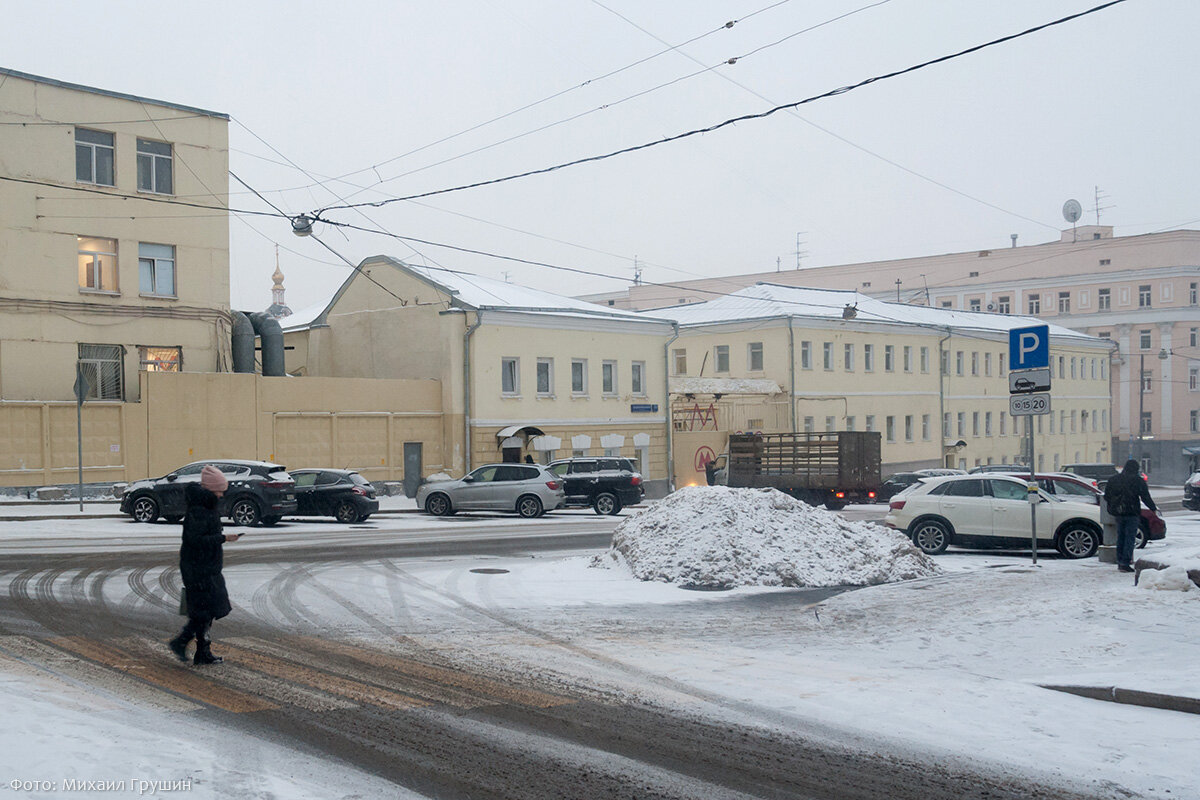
(177, 678)
(478, 690)
(241, 649)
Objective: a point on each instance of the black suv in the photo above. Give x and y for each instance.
(1098, 472)
(259, 492)
(606, 484)
(339, 493)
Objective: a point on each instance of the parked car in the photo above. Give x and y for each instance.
(339, 493)
(528, 489)
(896, 483)
(937, 472)
(1191, 492)
(605, 484)
(1099, 472)
(259, 492)
(991, 510)
(1069, 486)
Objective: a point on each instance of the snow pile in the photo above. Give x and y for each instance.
(717, 537)
(439, 476)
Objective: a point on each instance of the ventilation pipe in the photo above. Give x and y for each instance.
(268, 329)
(243, 342)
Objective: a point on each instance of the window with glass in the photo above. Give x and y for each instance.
(1003, 304)
(1194, 420)
(975, 364)
(579, 376)
(721, 358)
(889, 358)
(1193, 336)
(848, 357)
(1104, 299)
(975, 304)
(679, 362)
(946, 425)
(908, 427)
(958, 362)
(1144, 296)
(608, 377)
(974, 423)
(869, 357)
(962, 423)
(154, 166)
(987, 423)
(545, 376)
(160, 359)
(94, 151)
(510, 376)
(890, 426)
(987, 364)
(156, 269)
(907, 358)
(827, 355)
(869, 422)
(925, 359)
(97, 264)
(102, 367)
(1144, 339)
(1193, 379)
(1192, 293)
(850, 422)
(1064, 302)
(1147, 423)
(1147, 381)
(809, 424)
(754, 356)
(1003, 423)
(830, 424)
(925, 427)
(637, 379)
(1035, 304)
(806, 355)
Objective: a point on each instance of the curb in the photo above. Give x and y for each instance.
(119, 515)
(1133, 697)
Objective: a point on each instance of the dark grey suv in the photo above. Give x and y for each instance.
(259, 492)
(606, 483)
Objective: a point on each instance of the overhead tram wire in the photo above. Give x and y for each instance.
(724, 26)
(827, 131)
(142, 197)
(744, 118)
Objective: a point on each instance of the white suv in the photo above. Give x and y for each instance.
(991, 510)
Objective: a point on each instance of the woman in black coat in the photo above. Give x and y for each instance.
(200, 562)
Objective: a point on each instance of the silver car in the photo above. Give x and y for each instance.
(528, 489)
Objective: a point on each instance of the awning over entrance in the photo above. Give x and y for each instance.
(513, 430)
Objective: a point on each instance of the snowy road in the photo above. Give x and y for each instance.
(365, 660)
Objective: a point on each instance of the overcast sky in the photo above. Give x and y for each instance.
(957, 156)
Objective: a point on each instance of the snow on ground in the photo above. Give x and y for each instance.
(715, 536)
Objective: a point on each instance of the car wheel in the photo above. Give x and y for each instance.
(1078, 541)
(346, 513)
(529, 506)
(172, 518)
(438, 505)
(931, 536)
(1143, 534)
(606, 503)
(145, 509)
(245, 513)
(272, 520)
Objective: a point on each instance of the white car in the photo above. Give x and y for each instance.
(991, 510)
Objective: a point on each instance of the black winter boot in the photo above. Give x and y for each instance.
(203, 649)
(179, 644)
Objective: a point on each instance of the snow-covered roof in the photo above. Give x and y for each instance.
(477, 292)
(681, 385)
(766, 300)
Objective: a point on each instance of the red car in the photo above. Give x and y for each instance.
(1068, 485)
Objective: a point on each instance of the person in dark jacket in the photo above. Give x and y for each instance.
(200, 562)
(1124, 495)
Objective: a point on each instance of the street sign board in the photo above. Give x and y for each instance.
(1027, 381)
(1028, 405)
(82, 387)
(1029, 348)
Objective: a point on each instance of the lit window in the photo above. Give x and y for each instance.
(161, 359)
(97, 264)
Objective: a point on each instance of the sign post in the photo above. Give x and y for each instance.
(82, 387)
(1028, 379)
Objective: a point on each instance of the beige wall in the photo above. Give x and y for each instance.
(183, 417)
(44, 313)
(910, 396)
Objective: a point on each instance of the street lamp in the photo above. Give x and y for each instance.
(1162, 356)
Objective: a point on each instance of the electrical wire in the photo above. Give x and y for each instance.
(144, 197)
(734, 120)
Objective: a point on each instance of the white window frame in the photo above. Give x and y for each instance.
(156, 165)
(754, 357)
(889, 358)
(637, 378)
(92, 265)
(827, 356)
(679, 361)
(579, 368)
(805, 355)
(153, 268)
(104, 367)
(908, 427)
(868, 358)
(906, 353)
(1145, 296)
(95, 151)
(1103, 299)
(889, 426)
(510, 376)
(925, 419)
(924, 360)
(608, 378)
(848, 357)
(548, 363)
(721, 358)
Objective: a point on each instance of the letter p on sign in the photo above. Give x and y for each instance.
(1029, 348)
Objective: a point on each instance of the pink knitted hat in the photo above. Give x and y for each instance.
(212, 479)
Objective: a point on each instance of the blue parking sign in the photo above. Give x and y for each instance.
(1029, 348)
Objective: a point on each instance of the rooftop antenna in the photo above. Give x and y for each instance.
(799, 252)
(926, 281)
(506, 273)
(1100, 196)
(897, 290)
(1072, 211)
(637, 272)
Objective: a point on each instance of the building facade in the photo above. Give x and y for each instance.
(99, 270)
(1141, 292)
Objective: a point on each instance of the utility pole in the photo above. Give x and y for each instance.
(897, 290)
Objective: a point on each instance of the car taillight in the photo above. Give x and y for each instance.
(896, 505)
(276, 484)
(358, 490)
(636, 480)
(840, 495)
(871, 495)
(552, 485)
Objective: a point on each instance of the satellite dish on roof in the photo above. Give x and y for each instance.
(1072, 211)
